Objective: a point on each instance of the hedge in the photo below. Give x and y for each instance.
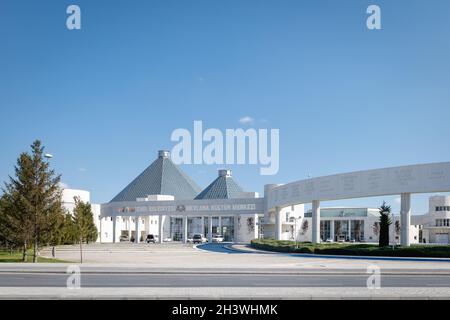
(415, 251)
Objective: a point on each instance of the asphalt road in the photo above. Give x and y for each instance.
(219, 280)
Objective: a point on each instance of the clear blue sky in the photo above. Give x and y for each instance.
(104, 99)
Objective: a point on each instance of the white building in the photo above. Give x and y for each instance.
(337, 224)
(435, 225)
(163, 201)
(68, 201)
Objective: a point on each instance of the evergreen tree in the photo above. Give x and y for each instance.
(31, 201)
(69, 233)
(385, 222)
(84, 221)
(9, 238)
(54, 234)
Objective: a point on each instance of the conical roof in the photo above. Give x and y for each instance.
(162, 177)
(224, 187)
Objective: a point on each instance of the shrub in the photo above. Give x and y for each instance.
(352, 249)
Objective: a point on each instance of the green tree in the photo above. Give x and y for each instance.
(11, 232)
(83, 218)
(54, 234)
(385, 222)
(31, 200)
(69, 230)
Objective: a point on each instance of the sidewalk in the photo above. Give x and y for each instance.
(227, 293)
(53, 268)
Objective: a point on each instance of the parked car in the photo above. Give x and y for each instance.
(199, 239)
(217, 239)
(151, 238)
(329, 240)
(124, 238)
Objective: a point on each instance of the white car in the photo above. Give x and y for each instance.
(217, 239)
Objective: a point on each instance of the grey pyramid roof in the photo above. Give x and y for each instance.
(162, 177)
(224, 187)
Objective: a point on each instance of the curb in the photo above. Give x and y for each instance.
(372, 258)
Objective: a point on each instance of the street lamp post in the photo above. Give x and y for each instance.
(49, 156)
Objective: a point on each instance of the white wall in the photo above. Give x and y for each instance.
(248, 227)
(68, 195)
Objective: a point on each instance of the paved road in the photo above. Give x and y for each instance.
(219, 280)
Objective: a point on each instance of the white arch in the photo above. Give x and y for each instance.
(404, 181)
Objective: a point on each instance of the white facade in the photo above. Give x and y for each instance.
(292, 219)
(68, 198)
(430, 228)
(68, 202)
(280, 213)
(436, 224)
(237, 220)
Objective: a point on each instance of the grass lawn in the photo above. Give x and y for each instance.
(415, 251)
(6, 257)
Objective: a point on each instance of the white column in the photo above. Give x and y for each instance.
(405, 220)
(147, 225)
(349, 229)
(332, 229)
(236, 229)
(114, 219)
(203, 226)
(161, 229)
(129, 227)
(185, 230)
(256, 233)
(316, 222)
(210, 229)
(137, 234)
(278, 224)
(100, 227)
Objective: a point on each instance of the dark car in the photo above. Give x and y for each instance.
(198, 239)
(151, 238)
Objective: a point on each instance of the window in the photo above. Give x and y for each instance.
(442, 222)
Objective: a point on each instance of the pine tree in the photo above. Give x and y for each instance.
(84, 221)
(385, 222)
(31, 201)
(11, 231)
(69, 233)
